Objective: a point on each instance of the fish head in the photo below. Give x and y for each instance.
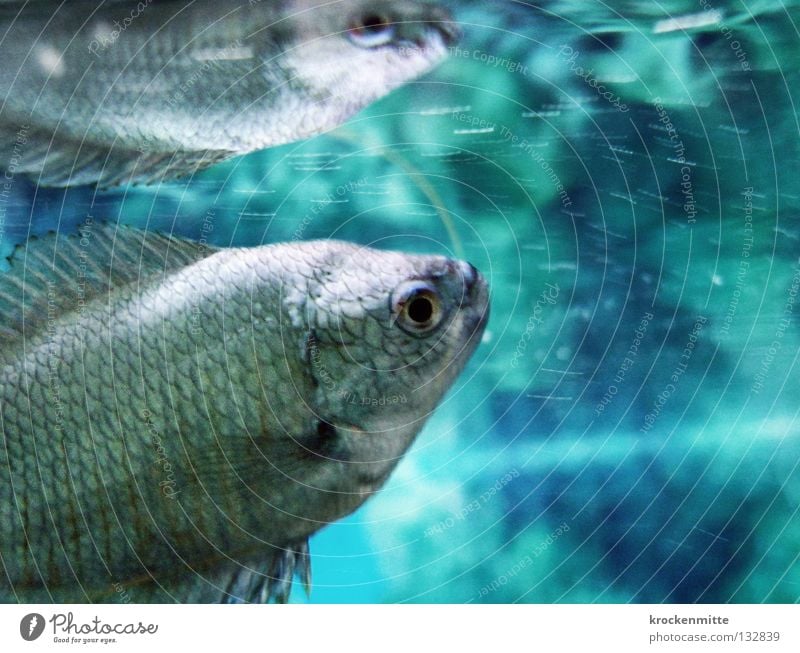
(388, 333)
(354, 348)
(348, 54)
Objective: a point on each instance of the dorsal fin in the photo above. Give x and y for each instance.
(56, 274)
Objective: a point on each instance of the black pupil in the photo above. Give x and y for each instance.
(420, 310)
(374, 23)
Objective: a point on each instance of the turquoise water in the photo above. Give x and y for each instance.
(626, 178)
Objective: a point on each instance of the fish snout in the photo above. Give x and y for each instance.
(449, 30)
(475, 289)
(475, 301)
(470, 275)
(435, 22)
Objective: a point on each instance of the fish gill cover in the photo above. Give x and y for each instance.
(624, 175)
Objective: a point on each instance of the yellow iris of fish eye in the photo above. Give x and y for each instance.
(418, 308)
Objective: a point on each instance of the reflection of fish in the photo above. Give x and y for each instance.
(178, 421)
(144, 91)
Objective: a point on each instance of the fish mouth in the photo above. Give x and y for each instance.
(476, 301)
(483, 311)
(449, 31)
(441, 20)
(440, 32)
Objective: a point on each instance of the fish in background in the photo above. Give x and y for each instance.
(104, 93)
(178, 420)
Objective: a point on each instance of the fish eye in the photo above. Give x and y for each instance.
(417, 308)
(371, 30)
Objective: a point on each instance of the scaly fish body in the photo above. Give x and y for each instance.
(178, 422)
(128, 91)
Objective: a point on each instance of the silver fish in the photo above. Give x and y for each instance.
(127, 91)
(177, 420)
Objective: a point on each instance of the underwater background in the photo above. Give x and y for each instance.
(626, 177)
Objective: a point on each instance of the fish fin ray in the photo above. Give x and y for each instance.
(262, 578)
(63, 161)
(248, 585)
(57, 274)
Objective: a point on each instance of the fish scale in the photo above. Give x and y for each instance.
(173, 432)
(186, 84)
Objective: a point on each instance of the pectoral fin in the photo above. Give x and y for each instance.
(62, 161)
(275, 584)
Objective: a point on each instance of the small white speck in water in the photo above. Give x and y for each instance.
(50, 60)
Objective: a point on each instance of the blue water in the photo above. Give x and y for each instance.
(628, 429)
